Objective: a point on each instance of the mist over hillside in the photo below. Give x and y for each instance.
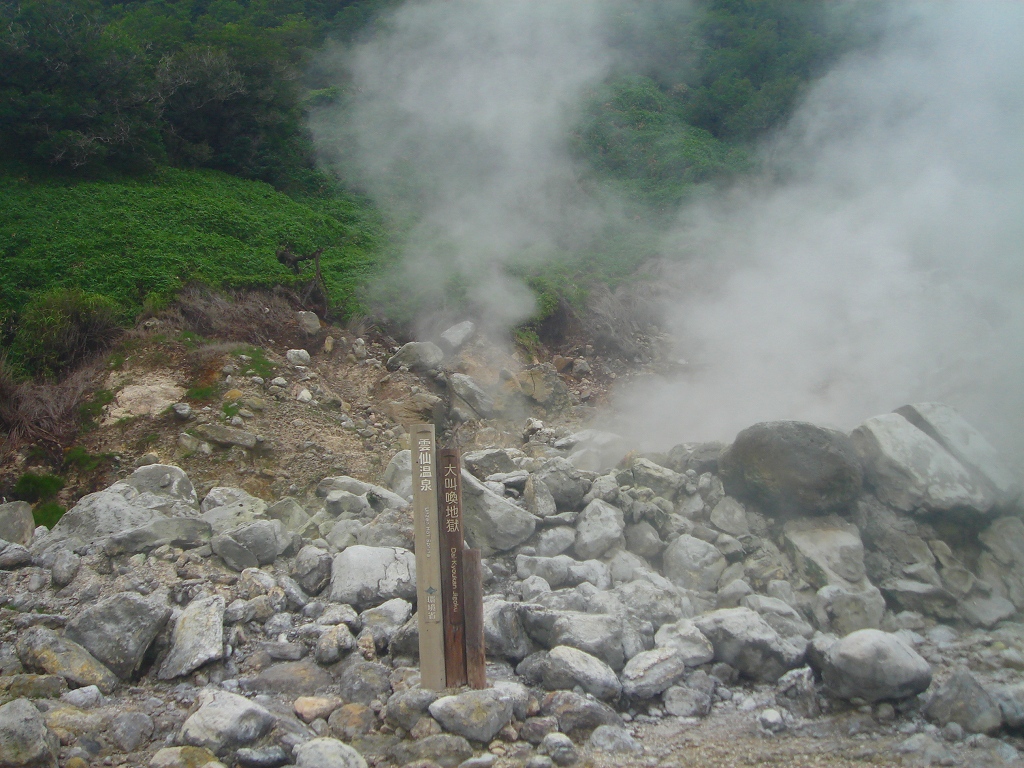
(873, 260)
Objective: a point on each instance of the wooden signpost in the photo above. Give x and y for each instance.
(448, 576)
(428, 556)
(450, 505)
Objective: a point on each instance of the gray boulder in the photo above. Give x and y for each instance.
(746, 642)
(40, 648)
(417, 356)
(600, 635)
(874, 666)
(684, 637)
(16, 522)
(598, 528)
(576, 712)
(911, 472)
(505, 636)
(963, 700)
(793, 465)
(95, 517)
(119, 630)
(398, 474)
(366, 576)
(691, 563)
(492, 523)
(325, 752)
(650, 672)
(456, 336)
(159, 486)
(312, 569)
(474, 715)
(564, 481)
(198, 637)
(663, 481)
(472, 394)
(225, 721)
(184, 532)
(566, 667)
(25, 741)
(615, 740)
(693, 699)
(952, 431)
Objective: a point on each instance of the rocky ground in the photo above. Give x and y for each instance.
(234, 584)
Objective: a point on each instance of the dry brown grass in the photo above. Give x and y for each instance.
(43, 413)
(253, 317)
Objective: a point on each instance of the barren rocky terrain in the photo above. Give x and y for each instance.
(232, 583)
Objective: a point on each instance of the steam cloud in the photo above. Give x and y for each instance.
(887, 266)
(880, 262)
(460, 123)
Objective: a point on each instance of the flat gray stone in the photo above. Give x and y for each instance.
(745, 641)
(119, 630)
(197, 638)
(325, 752)
(364, 576)
(568, 667)
(910, 471)
(963, 700)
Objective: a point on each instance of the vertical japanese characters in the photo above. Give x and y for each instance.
(428, 557)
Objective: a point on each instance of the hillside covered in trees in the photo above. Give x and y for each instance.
(151, 143)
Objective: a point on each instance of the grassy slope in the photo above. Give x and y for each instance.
(135, 239)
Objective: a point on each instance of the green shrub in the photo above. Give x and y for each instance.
(90, 411)
(83, 461)
(61, 327)
(32, 487)
(48, 513)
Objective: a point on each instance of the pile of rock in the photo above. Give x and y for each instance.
(792, 574)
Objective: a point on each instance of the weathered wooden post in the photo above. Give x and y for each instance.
(476, 671)
(428, 556)
(449, 471)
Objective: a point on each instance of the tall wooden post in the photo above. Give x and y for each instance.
(476, 670)
(449, 500)
(428, 556)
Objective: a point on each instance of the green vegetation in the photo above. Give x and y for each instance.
(141, 239)
(152, 144)
(48, 513)
(79, 458)
(89, 412)
(256, 363)
(31, 487)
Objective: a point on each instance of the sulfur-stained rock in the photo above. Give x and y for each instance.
(25, 741)
(474, 715)
(119, 630)
(42, 648)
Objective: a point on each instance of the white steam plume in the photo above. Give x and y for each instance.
(885, 263)
(460, 123)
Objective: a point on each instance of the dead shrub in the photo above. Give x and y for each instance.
(44, 413)
(250, 316)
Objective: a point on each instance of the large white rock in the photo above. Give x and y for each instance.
(910, 471)
(873, 665)
(693, 564)
(956, 435)
(650, 672)
(225, 721)
(567, 667)
(491, 522)
(688, 640)
(474, 715)
(367, 576)
(742, 639)
(598, 528)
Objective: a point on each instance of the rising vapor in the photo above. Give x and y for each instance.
(886, 263)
